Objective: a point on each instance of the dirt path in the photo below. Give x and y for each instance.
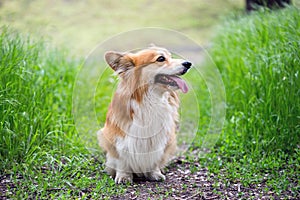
(186, 180)
(180, 183)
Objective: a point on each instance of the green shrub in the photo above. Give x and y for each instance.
(259, 59)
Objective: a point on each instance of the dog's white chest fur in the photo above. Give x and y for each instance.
(146, 138)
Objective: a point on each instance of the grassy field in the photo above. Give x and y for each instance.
(81, 25)
(42, 154)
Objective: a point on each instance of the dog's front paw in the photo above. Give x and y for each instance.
(123, 178)
(110, 171)
(156, 176)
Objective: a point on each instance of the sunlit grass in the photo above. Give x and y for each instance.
(41, 152)
(259, 59)
(258, 56)
(35, 99)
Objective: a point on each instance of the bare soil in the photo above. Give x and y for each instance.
(183, 183)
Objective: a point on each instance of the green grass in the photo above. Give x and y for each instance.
(67, 177)
(35, 98)
(258, 56)
(41, 152)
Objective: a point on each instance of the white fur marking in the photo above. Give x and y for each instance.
(143, 146)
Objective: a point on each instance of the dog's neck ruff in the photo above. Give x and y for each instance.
(149, 132)
(154, 112)
(153, 116)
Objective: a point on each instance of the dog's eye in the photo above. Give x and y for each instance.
(161, 59)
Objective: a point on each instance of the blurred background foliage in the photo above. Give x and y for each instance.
(81, 25)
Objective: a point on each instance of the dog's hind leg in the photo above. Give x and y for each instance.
(107, 144)
(110, 165)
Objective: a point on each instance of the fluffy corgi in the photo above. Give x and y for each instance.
(139, 133)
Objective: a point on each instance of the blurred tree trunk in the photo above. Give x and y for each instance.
(254, 4)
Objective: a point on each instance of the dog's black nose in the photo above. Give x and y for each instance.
(187, 64)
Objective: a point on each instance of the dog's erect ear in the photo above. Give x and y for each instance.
(119, 62)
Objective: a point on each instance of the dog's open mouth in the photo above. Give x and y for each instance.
(172, 80)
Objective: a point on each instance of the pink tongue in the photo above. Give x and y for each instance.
(181, 83)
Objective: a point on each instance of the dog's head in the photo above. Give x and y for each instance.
(154, 66)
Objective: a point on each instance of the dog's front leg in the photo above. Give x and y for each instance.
(156, 175)
(123, 172)
(123, 177)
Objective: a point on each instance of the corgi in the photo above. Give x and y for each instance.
(139, 133)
